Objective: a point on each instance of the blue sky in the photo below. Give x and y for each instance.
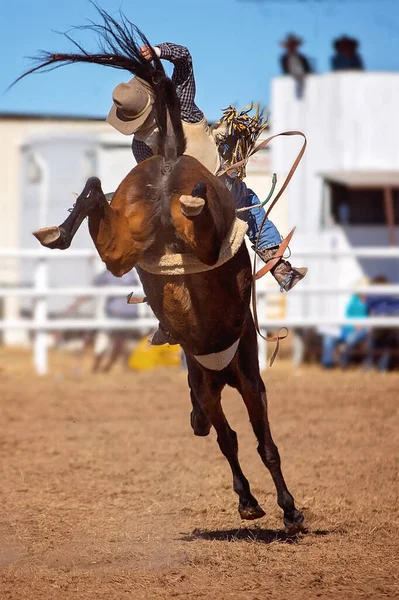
(235, 46)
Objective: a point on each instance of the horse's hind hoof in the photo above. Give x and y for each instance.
(52, 237)
(294, 522)
(249, 513)
(191, 206)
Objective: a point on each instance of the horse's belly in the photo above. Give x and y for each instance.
(204, 314)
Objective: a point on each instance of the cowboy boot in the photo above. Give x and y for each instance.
(286, 275)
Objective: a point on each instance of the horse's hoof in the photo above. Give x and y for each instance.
(52, 237)
(202, 431)
(191, 206)
(249, 513)
(294, 522)
(48, 235)
(200, 424)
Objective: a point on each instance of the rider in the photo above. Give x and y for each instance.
(132, 113)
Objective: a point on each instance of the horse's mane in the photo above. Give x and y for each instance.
(119, 47)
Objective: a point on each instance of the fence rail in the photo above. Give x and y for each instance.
(41, 291)
(359, 251)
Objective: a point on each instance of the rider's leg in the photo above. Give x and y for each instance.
(269, 238)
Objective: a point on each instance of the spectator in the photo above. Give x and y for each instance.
(111, 344)
(349, 335)
(383, 343)
(346, 56)
(293, 63)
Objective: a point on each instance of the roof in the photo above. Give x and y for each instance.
(363, 178)
(10, 116)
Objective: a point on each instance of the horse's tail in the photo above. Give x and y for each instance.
(119, 47)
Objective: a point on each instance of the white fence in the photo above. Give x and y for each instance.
(40, 323)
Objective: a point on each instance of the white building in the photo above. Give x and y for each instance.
(45, 160)
(345, 193)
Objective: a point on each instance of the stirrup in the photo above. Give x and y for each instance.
(277, 257)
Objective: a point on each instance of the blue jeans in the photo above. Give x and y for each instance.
(382, 364)
(351, 340)
(244, 197)
(354, 338)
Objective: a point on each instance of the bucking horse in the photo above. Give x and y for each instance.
(176, 223)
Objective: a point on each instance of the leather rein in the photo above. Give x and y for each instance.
(284, 244)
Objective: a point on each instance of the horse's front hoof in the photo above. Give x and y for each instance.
(53, 237)
(249, 513)
(294, 522)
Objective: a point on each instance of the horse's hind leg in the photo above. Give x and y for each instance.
(195, 223)
(208, 394)
(199, 421)
(61, 236)
(251, 387)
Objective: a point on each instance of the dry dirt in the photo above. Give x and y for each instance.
(106, 493)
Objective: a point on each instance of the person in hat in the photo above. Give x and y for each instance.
(132, 110)
(132, 114)
(293, 63)
(346, 56)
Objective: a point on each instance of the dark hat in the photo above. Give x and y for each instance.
(290, 40)
(345, 40)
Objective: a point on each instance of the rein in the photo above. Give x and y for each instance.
(284, 244)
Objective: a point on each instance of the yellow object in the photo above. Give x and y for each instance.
(145, 357)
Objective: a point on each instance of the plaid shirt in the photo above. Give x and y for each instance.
(183, 78)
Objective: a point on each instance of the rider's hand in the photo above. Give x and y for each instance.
(146, 52)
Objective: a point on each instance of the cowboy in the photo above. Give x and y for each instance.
(132, 113)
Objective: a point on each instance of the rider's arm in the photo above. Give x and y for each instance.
(183, 78)
(174, 53)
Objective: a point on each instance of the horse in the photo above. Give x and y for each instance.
(176, 223)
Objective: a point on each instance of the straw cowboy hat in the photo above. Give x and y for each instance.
(291, 40)
(133, 104)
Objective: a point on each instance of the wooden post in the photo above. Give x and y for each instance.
(390, 215)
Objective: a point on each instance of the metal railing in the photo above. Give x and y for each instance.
(40, 323)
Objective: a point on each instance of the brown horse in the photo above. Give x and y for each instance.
(171, 208)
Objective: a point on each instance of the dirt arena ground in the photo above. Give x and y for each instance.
(106, 493)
